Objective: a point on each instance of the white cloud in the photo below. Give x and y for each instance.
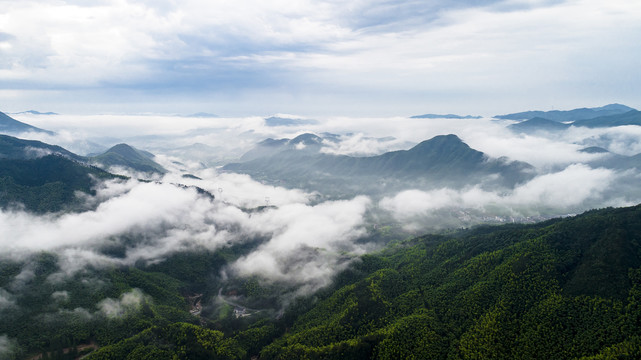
(8, 347)
(307, 242)
(313, 53)
(7, 300)
(128, 302)
(574, 189)
(60, 296)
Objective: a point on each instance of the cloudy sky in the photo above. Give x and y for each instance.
(320, 57)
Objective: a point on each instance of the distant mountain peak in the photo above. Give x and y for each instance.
(615, 106)
(537, 124)
(306, 139)
(450, 141)
(124, 149)
(594, 150)
(11, 125)
(128, 156)
(35, 112)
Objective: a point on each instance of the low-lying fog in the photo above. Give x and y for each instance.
(309, 237)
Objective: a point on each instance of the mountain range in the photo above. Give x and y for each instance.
(44, 178)
(538, 124)
(569, 115)
(442, 160)
(35, 112)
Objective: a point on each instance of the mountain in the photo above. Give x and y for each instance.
(448, 116)
(632, 117)
(569, 115)
(537, 124)
(11, 125)
(34, 112)
(42, 177)
(594, 150)
(14, 148)
(614, 161)
(127, 156)
(307, 142)
(443, 160)
(46, 184)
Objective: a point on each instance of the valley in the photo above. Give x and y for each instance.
(312, 241)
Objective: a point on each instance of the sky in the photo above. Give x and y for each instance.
(354, 58)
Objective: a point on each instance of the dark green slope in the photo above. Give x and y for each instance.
(559, 290)
(42, 177)
(127, 156)
(47, 183)
(11, 125)
(14, 148)
(563, 289)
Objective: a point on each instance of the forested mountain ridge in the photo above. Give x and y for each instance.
(43, 178)
(563, 289)
(46, 184)
(15, 148)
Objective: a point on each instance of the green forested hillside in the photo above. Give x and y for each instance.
(47, 183)
(563, 289)
(558, 290)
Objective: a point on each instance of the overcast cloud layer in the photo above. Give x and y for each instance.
(366, 57)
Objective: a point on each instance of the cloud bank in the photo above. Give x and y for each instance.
(367, 57)
(302, 245)
(574, 189)
(308, 244)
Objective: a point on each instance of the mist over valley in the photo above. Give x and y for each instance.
(372, 179)
(254, 215)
